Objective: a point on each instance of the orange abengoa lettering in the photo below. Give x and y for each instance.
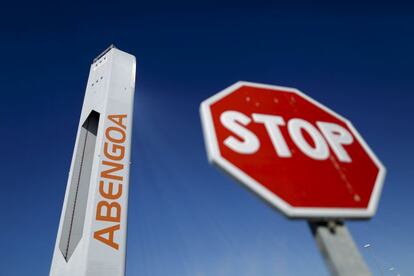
(116, 152)
(110, 231)
(109, 210)
(110, 194)
(108, 207)
(115, 167)
(117, 119)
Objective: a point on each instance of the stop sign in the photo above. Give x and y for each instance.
(295, 153)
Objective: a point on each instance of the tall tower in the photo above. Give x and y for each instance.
(91, 239)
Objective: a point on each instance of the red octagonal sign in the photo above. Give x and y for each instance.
(292, 151)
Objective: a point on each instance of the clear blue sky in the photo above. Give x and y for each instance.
(186, 217)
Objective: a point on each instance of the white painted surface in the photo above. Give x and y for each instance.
(110, 90)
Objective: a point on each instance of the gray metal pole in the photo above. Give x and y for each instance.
(338, 248)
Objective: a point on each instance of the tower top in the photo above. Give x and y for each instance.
(112, 46)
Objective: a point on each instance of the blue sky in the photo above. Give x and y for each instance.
(186, 217)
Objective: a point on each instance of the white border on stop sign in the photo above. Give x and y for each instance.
(214, 157)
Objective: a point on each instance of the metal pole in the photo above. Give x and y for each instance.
(338, 248)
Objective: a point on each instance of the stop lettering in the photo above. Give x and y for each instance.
(292, 151)
(335, 135)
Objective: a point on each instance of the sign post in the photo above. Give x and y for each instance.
(299, 156)
(338, 248)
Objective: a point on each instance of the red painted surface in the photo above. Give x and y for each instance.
(299, 180)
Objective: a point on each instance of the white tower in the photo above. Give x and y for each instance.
(91, 239)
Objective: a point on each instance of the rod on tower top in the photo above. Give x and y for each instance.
(112, 46)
